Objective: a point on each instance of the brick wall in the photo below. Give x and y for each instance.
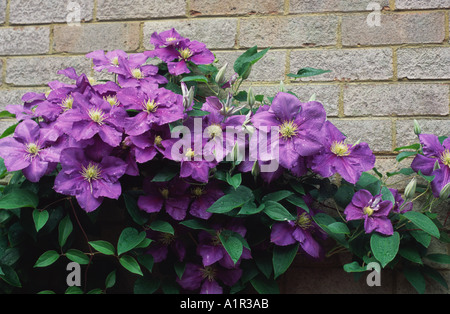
(383, 77)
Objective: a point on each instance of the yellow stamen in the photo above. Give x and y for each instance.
(288, 129)
(32, 149)
(166, 238)
(158, 140)
(67, 103)
(214, 130)
(368, 210)
(198, 191)
(445, 157)
(339, 149)
(185, 53)
(91, 173)
(304, 221)
(150, 106)
(190, 153)
(169, 39)
(97, 115)
(164, 193)
(112, 100)
(209, 272)
(137, 74)
(115, 61)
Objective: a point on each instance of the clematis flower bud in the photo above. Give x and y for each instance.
(410, 189)
(417, 128)
(282, 87)
(251, 98)
(220, 76)
(445, 192)
(247, 73)
(188, 95)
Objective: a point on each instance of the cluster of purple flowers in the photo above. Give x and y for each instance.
(93, 134)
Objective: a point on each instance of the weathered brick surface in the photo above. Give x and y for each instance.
(216, 34)
(232, 7)
(405, 129)
(2, 11)
(411, 28)
(288, 31)
(309, 6)
(345, 64)
(139, 9)
(24, 40)
(49, 11)
(14, 96)
(41, 70)
(424, 63)
(396, 99)
(422, 4)
(90, 37)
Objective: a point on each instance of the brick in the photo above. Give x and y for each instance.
(377, 133)
(49, 11)
(311, 6)
(14, 96)
(405, 129)
(2, 11)
(410, 28)
(90, 37)
(24, 40)
(396, 99)
(288, 31)
(271, 67)
(139, 9)
(385, 164)
(215, 33)
(232, 7)
(41, 70)
(423, 63)
(2, 63)
(422, 4)
(345, 64)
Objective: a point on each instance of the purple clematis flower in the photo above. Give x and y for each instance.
(373, 210)
(300, 127)
(337, 157)
(109, 60)
(166, 39)
(400, 206)
(203, 197)
(89, 181)
(157, 106)
(171, 196)
(206, 278)
(30, 150)
(434, 153)
(302, 231)
(163, 243)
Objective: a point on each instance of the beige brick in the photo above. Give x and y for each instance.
(41, 70)
(90, 37)
(405, 129)
(49, 11)
(2, 11)
(215, 33)
(345, 64)
(14, 96)
(424, 63)
(396, 99)
(288, 31)
(139, 9)
(411, 28)
(232, 7)
(376, 133)
(422, 4)
(24, 40)
(310, 6)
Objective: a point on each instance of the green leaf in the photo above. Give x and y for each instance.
(166, 174)
(415, 146)
(250, 208)
(47, 259)
(435, 275)
(10, 276)
(283, 256)
(110, 279)
(73, 290)
(103, 247)
(344, 195)
(232, 244)
(387, 195)
(297, 187)
(40, 218)
(421, 237)
(195, 78)
(439, 258)
(179, 269)
(307, 72)
(147, 261)
(235, 181)
(297, 200)
(415, 278)
(6, 114)
(144, 285)
(404, 155)
(196, 224)
(130, 263)
(18, 198)
(138, 215)
(162, 226)
(423, 222)
(369, 182)
(354, 267)
(384, 248)
(277, 196)
(265, 286)
(129, 239)
(247, 59)
(411, 254)
(403, 171)
(197, 113)
(65, 228)
(277, 211)
(10, 130)
(230, 201)
(77, 257)
(338, 228)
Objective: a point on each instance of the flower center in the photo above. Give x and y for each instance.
(169, 39)
(198, 191)
(32, 149)
(158, 140)
(185, 53)
(288, 129)
(190, 153)
(112, 100)
(137, 74)
(445, 157)
(92, 81)
(150, 106)
(91, 173)
(209, 273)
(67, 103)
(115, 61)
(214, 130)
(97, 115)
(164, 193)
(304, 221)
(368, 210)
(166, 238)
(339, 149)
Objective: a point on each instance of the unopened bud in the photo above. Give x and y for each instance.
(255, 169)
(282, 87)
(251, 98)
(247, 73)
(417, 128)
(410, 189)
(445, 192)
(220, 76)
